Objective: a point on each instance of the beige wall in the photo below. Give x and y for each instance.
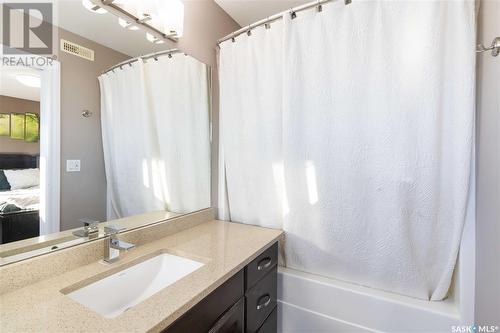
(17, 105)
(83, 194)
(204, 23)
(487, 305)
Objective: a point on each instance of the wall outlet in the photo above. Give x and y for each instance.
(72, 165)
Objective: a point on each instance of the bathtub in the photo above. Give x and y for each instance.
(309, 303)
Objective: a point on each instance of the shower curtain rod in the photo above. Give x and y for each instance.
(143, 57)
(318, 4)
(495, 45)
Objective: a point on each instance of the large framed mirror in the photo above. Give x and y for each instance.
(114, 129)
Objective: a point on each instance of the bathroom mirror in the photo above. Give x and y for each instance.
(113, 129)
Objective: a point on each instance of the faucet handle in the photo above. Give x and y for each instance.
(113, 229)
(89, 224)
(90, 229)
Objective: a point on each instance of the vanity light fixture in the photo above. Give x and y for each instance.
(161, 19)
(29, 80)
(93, 7)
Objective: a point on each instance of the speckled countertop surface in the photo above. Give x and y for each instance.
(224, 247)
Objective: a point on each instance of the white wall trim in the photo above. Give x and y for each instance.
(50, 148)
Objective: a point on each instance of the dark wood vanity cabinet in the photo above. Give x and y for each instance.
(246, 303)
(261, 287)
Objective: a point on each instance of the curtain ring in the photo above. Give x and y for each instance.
(293, 14)
(233, 40)
(267, 25)
(170, 55)
(319, 8)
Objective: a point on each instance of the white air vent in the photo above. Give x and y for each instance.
(77, 50)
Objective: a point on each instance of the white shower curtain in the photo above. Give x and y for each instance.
(376, 133)
(155, 127)
(128, 143)
(178, 90)
(251, 111)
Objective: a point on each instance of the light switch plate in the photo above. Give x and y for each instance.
(72, 165)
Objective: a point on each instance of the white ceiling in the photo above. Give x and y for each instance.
(9, 86)
(103, 29)
(245, 12)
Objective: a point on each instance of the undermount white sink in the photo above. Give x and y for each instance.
(115, 294)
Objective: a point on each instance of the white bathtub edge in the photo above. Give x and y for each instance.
(301, 314)
(315, 298)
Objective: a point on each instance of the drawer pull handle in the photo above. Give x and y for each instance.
(263, 301)
(264, 263)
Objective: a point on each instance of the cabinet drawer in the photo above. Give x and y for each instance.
(261, 265)
(261, 301)
(271, 323)
(203, 316)
(232, 321)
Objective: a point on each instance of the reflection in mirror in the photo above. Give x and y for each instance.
(133, 134)
(19, 153)
(161, 103)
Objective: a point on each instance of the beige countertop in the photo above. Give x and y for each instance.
(224, 247)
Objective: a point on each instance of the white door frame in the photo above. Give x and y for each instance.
(50, 134)
(50, 147)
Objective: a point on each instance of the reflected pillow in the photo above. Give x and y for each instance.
(22, 178)
(4, 183)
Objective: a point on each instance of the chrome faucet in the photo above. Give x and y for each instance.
(112, 245)
(90, 229)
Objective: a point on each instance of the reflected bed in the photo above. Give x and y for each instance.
(19, 208)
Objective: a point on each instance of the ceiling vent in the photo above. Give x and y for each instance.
(77, 50)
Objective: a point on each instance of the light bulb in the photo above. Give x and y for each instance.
(93, 7)
(127, 25)
(154, 39)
